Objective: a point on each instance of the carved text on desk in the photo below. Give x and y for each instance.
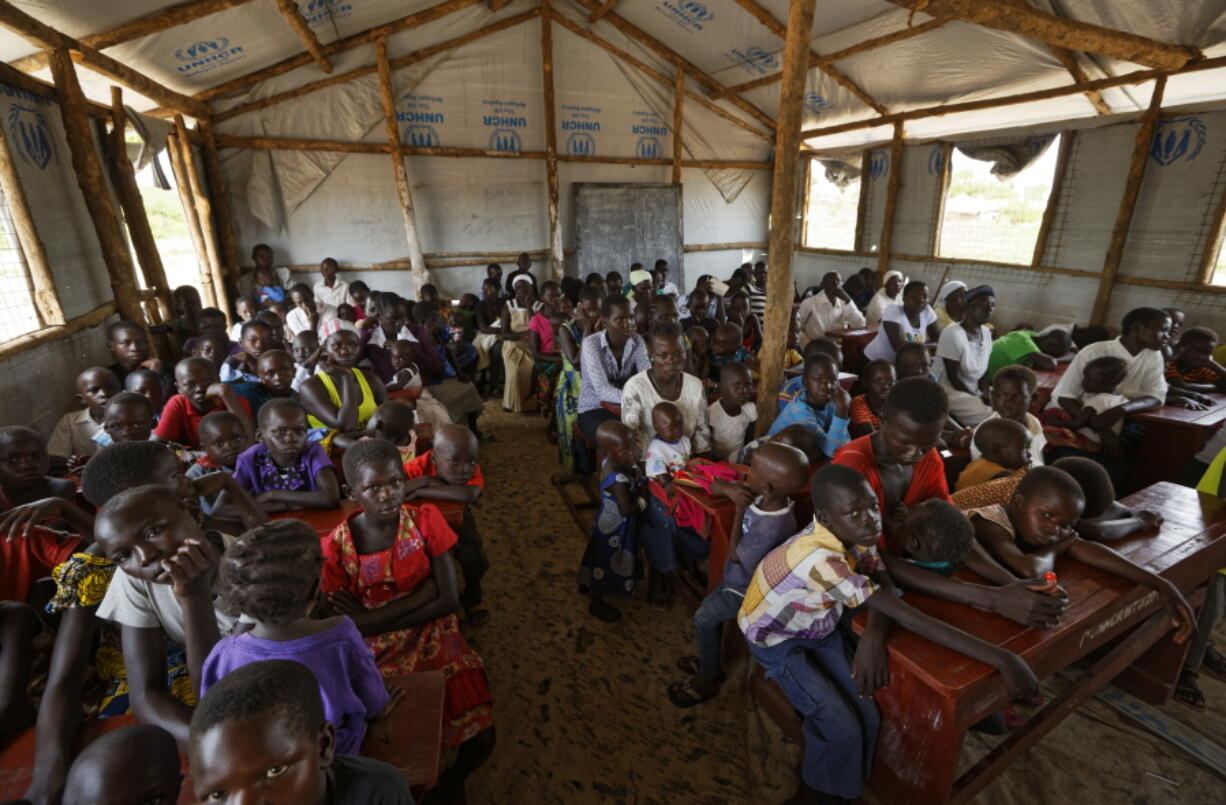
(1119, 617)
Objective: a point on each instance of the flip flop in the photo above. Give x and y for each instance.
(1188, 692)
(683, 695)
(689, 665)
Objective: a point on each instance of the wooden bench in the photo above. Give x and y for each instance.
(1173, 436)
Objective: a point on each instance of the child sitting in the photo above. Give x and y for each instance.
(246, 309)
(700, 352)
(304, 314)
(306, 351)
(24, 464)
(1092, 422)
(258, 335)
(610, 564)
(822, 406)
(282, 470)
(726, 348)
(1104, 519)
(135, 763)
(1192, 368)
(1039, 525)
(669, 448)
(276, 373)
(150, 385)
(269, 290)
(213, 348)
(359, 292)
(764, 519)
(790, 617)
(1012, 392)
(794, 385)
(1004, 447)
(199, 394)
(797, 436)
(731, 417)
(129, 345)
(210, 322)
(73, 436)
(877, 378)
(393, 422)
(128, 418)
(450, 472)
(223, 439)
(271, 575)
(267, 719)
(912, 360)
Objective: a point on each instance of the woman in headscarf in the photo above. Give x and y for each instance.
(890, 293)
(517, 357)
(950, 306)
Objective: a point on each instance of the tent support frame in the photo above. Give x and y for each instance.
(556, 265)
(884, 251)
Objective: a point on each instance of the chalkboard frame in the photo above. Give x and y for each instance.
(588, 258)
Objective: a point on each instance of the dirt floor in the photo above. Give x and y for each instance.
(582, 714)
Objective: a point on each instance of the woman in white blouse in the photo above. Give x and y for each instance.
(963, 353)
(913, 321)
(666, 544)
(890, 293)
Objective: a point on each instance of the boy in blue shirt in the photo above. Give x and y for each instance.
(822, 406)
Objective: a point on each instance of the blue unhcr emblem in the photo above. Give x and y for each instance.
(816, 103)
(936, 160)
(421, 136)
(696, 10)
(581, 144)
(198, 50)
(879, 165)
(31, 136)
(1178, 138)
(647, 148)
(505, 140)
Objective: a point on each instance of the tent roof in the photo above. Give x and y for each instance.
(732, 42)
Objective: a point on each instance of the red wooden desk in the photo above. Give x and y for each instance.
(410, 739)
(1173, 436)
(935, 694)
(846, 379)
(403, 395)
(1046, 385)
(324, 520)
(854, 342)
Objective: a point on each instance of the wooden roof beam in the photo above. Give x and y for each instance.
(651, 43)
(1137, 77)
(830, 58)
(141, 26)
(310, 41)
(1025, 20)
(605, 8)
(498, 5)
(44, 36)
(364, 38)
(1069, 62)
(773, 25)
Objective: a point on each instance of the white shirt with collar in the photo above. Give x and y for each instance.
(818, 316)
(335, 296)
(1145, 377)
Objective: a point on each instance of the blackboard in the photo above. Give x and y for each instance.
(620, 224)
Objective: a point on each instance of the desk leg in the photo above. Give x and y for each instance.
(918, 745)
(1152, 678)
(1164, 452)
(719, 538)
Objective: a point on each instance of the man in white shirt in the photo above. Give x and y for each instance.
(331, 290)
(661, 272)
(1143, 333)
(829, 309)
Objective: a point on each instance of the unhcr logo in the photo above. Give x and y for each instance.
(879, 165)
(206, 55)
(581, 144)
(647, 148)
(754, 59)
(936, 160)
(505, 140)
(816, 103)
(688, 14)
(421, 137)
(1181, 138)
(29, 133)
(323, 11)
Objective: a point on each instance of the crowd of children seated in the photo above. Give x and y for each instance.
(260, 647)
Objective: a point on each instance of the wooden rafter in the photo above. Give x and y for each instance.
(648, 70)
(678, 123)
(364, 38)
(42, 280)
(370, 69)
(605, 8)
(651, 43)
(141, 26)
(551, 143)
(831, 58)
(1067, 138)
(1069, 61)
(44, 36)
(763, 15)
(886, 244)
(498, 5)
(1213, 245)
(289, 10)
(1030, 22)
(1136, 77)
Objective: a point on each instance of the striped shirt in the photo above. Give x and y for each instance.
(800, 589)
(1201, 374)
(603, 377)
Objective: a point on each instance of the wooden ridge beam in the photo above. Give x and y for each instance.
(289, 10)
(1136, 77)
(44, 36)
(779, 288)
(1069, 62)
(831, 58)
(648, 70)
(763, 15)
(370, 69)
(1128, 203)
(387, 98)
(605, 8)
(651, 43)
(141, 26)
(1025, 20)
(553, 187)
(364, 38)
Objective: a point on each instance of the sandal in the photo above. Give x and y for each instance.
(1188, 692)
(478, 615)
(683, 695)
(689, 665)
(1214, 661)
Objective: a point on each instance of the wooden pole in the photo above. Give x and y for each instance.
(1128, 203)
(97, 196)
(123, 177)
(866, 160)
(183, 183)
(556, 266)
(224, 215)
(891, 203)
(293, 16)
(678, 121)
(806, 177)
(1067, 58)
(42, 281)
(779, 288)
(387, 96)
(1053, 198)
(54, 332)
(1214, 243)
(605, 8)
(934, 235)
(204, 214)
